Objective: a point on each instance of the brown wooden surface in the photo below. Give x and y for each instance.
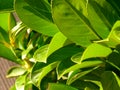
(5, 83)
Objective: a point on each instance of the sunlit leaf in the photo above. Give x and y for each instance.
(81, 27)
(15, 71)
(40, 54)
(57, 42)
(4, 17)
(36, 15)
(113, 38)
(95, 50)
(20, 83)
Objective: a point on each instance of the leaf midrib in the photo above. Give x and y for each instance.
(90, 28)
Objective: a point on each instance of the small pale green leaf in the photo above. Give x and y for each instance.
(40, 54)
(110, 81)
(53, 86)
(36, 15)
(95, 50)
(76, 58)
(15, 71)
(20, 83)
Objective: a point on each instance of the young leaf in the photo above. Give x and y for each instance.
(53, 86)
(35, 16)
(20, 83)
(40, 54)
(110, 81)
(15, 71)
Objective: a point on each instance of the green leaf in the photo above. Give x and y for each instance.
(53, 86)
(106, 12)
(15, 71)
(6, 5)
(4, 38)
(57, 42)
(40, 54)
(12, 21)
(18, 34)
(115, 4)
(76, 57)
(45, 51)
(92, 51)
(95, 50)
(82, 84)
(64, 53)
(85, 64)
(4, 17)
(10, 55)
(113, 38)
(20, 83)
(74, 75)
(12, 87)
(40, 70)
(113, 60)
(75, 20)
(110, 81)
(36, 15)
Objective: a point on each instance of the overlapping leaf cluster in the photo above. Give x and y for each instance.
(62, 44)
